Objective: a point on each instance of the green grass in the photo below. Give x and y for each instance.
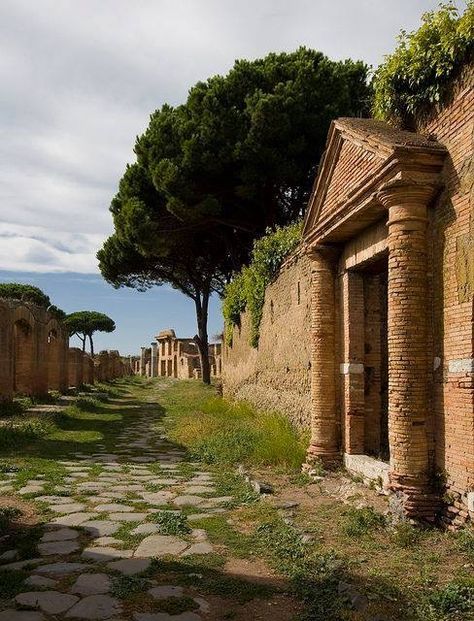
(221, 533)
(360, 522)
(465, 542)
(218, 432)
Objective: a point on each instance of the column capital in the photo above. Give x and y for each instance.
(407, 193)
(323, 255)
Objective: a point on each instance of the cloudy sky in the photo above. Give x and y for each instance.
(78, 83)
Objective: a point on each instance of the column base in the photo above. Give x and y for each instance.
(414, 499)
(317, 455)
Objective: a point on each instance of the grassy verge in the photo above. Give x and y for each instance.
(216, 431)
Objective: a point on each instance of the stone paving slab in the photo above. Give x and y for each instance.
(93, 506)
(50, 602)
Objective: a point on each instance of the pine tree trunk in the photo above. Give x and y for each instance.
(92, 345)
(201, 339)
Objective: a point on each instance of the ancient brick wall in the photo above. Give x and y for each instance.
(452, 261)
(275, 375)
(33, 350)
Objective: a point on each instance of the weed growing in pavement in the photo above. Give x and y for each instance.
(12, 583)
(7, 516)
(171, 523)
(124, 587)
(175, 605)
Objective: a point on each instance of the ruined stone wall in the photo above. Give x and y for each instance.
(452, 260)
(275, 375)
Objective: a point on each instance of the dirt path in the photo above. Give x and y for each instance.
(125, 538)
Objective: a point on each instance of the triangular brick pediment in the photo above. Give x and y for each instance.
(359, 155)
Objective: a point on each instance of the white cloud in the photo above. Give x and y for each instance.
(80, 79)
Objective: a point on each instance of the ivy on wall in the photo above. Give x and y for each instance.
(246, 291)
(418, 74)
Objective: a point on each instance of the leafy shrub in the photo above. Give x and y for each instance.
(247, 289)
(457, 596)
(361, 521)
(418, 74)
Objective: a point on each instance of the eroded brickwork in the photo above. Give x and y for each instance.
(276, 375)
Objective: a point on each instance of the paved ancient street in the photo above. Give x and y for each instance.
(104, 500)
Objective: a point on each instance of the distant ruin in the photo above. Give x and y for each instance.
(170, 356)
(35, 356)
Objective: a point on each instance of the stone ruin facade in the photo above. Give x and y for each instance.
(35, 356)
(389, 243)
(170, 356)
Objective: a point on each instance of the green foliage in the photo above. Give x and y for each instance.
(7, 516)
(26, 293)
(359, 522)
(456, 597)
(85, 323)
(88, 322)
(15, 407)
(310, 572)
(12, 582)
(124, 587)
(237, 157)
(465, 541)
(171, 523)
(219, 432)
(15, 433)
(419, 73)
(247, 289)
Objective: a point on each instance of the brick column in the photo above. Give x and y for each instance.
(142, 360)
(154, 359)
(408, 347)
(324, 443)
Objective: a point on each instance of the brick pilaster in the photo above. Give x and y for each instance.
(324, 444)
(352, 368)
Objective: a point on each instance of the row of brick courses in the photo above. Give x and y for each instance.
(451, 254)
(35, 356)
